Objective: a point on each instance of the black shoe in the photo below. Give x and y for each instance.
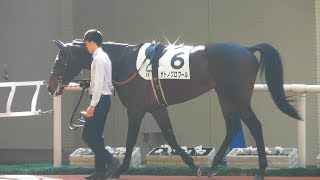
(97, 176)
(112, 167)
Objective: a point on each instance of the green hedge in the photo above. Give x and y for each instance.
(47, 168)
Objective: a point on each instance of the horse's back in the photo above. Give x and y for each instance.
(234, 69)
(226, 50)
(230, 57)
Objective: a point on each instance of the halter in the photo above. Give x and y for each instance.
(61, 82)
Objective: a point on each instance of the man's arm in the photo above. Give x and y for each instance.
(98, 81)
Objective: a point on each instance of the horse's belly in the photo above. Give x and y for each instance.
(183, 90)
(200, 82)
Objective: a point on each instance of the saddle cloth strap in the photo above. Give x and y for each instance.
(155, 81)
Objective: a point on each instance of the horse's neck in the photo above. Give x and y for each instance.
(114, 50)
(87, 65)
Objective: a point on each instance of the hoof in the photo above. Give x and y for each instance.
(115, 175)
(258, 177)
(211, 173)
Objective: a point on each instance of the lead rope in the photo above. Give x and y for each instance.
(84, 85)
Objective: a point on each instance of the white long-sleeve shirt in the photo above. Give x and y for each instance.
(101, 76)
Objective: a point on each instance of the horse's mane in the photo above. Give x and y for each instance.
(78, 42)
(121, 44)
(81, 43)
(115, 43)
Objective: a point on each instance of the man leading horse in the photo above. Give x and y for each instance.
(100, 91)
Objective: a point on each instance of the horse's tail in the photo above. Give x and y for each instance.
(271, 66)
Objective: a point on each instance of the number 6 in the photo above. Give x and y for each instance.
(176, 58)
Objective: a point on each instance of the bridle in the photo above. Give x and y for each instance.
(62, 83)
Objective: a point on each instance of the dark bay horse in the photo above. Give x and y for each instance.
(228, 68)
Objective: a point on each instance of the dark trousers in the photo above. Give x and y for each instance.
(92, 133)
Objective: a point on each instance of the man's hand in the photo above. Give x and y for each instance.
(90, 111)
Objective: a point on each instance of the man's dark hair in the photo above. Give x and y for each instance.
(93, 35)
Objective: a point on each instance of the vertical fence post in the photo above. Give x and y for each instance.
(302, 133)
(300, 90)
(57, 131)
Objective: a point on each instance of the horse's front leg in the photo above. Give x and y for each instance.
(134, 122)
(162, 118)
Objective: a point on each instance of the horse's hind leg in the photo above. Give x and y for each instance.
(233, 125)
(134, 120)
(255, 128)
(162, 118)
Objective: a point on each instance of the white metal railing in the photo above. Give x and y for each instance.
(13, 86)
(299, 89)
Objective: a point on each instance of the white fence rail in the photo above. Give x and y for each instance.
(14, 86)
(299, 89)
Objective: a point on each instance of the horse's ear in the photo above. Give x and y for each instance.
(59, 44)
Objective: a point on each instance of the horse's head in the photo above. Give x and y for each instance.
(68, 64)
(73, 57)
